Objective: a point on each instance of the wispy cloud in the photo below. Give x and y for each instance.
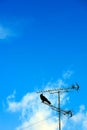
(5, 32)
(78, 121)
(32, 111)
(67, 74)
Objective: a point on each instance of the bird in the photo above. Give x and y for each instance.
(44, 99)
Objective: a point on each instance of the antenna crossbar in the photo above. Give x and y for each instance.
(56, 90)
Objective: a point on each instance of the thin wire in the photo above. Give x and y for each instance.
(33, 124)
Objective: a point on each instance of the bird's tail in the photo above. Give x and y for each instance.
(49, 102)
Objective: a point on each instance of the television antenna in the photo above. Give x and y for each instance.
(58, 109)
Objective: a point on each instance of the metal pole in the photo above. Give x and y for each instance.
(59, 112)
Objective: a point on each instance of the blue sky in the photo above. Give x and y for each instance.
(40, 41)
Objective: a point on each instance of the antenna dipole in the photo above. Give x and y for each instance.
(59, 91)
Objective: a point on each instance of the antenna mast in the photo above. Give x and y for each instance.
(59, 110)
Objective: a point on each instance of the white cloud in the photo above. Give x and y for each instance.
(78, 121)
(33, 111)
(81, 117)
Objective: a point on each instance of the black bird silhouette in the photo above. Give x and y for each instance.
(44, 99)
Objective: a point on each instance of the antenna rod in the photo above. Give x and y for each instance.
(59, 91)
(59, 112)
